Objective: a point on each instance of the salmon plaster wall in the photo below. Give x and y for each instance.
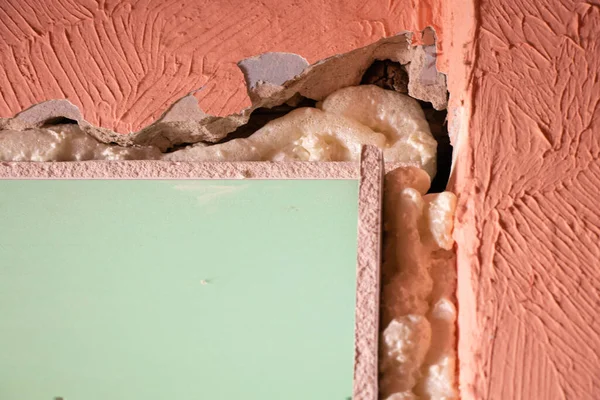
(528, 217)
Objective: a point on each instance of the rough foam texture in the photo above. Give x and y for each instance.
(123, 62)
(417, 347)
(305, 134)
(528, 178)
(65, 143)
(351, 117)
(397, 125)
(399, 117)
(184, 122)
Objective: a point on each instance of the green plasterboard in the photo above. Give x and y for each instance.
(177, 289)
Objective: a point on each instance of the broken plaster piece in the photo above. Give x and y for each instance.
(184, 109)
(270, 70)
(425, 82)
(39, 114)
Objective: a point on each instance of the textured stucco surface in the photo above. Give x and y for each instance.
(528, 179)
(123, 62)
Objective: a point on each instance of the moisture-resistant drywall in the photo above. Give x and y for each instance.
(149, 289)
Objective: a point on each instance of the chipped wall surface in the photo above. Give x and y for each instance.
(124, 62)
(528, 217)
(276, 82)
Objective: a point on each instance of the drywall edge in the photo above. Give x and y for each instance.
(151, 169)
(368, 275)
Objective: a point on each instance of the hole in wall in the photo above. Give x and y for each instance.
(258, 118)
(391, 75)
(438, 123)
(388, 75)
(261, 116)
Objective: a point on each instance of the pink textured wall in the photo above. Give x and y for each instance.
(123, 62)
(528, 218)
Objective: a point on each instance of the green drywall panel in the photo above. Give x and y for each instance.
(177, 289)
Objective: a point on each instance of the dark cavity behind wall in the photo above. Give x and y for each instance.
(438, 123)
(391, 75)
(261, 116)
